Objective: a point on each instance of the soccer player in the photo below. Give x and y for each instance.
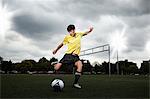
(73, 41)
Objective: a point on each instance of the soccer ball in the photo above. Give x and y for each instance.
(57, 85)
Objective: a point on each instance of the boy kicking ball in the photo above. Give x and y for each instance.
(73, 41)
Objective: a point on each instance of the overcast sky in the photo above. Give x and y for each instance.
(31, 29)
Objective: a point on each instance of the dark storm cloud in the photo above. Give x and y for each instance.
(29, 25)
(137, 21)
(33, 22)
(137, 39)
(35, 27)
(43, 20)
(92, 9)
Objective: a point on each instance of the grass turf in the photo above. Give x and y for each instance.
(94, 86)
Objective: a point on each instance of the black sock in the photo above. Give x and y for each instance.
(56, 72)
(77, 76)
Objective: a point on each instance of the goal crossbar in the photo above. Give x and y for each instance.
(98, 49)
(94, 50)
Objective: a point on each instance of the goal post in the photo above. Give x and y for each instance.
(98, 49)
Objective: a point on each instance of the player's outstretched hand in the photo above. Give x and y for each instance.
(54, 52)
(90, 29)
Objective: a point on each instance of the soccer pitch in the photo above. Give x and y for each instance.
(93, 86)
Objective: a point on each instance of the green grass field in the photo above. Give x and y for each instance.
(94, 86)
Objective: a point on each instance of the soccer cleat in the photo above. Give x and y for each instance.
(53, 63)
(77, 86)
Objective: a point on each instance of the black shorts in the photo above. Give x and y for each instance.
(69, 59)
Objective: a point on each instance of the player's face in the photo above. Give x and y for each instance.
(72, 32)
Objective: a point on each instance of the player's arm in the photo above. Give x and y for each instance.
(59, 46)
(89, 31)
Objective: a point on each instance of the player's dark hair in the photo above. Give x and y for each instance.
(70, 27)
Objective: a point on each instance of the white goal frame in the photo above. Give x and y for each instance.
(98, 49)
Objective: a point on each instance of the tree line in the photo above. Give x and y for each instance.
(44, 66)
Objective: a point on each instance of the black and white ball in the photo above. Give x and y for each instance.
(57, 84)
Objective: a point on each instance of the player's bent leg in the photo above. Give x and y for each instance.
(79, 66)
(78, 74)
(57, 66)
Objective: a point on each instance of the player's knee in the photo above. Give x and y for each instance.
(79, 64)
(57, 66)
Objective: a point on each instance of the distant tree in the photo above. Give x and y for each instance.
(53, 59)
(6, 66)
(42, 65)
(17, 66)
(113, 68)
(133, 69)
(122, 67)
(87, 67)
(105, 65)
(126, 68)
(43, 60)
(97, 68)
(27, 65)
(145, 67)
(1, 60)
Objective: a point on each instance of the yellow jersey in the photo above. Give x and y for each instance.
(73, 43)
